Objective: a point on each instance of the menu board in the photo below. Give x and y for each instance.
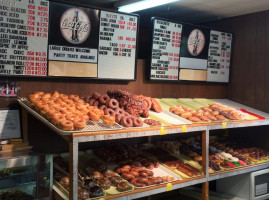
(165, 50)
(219, 56)
(117, 45)
(42, 38)
(189, 52)
(23, 37)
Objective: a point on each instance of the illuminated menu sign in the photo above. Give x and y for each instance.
(189, 52)
(23, 37)
(219, 56)
(165, 50)
(117, 45)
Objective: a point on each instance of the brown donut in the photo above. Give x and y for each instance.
(126, 121)
(118, 118)
(109, 111)
(119, 111)
(91, 102)
(137, 122)
(103, 98)
(103, 107)
(112, 103)
(96, 95)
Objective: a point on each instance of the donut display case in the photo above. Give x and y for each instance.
(197, 161)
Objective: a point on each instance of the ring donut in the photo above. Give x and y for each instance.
(103, 107)
(126, 121)
(119, 111)
(103, 98)
(109, 111)
(96, 103)
(91, 102)
(137, 122)
(112, 103)
(79, 123)
(66, 125)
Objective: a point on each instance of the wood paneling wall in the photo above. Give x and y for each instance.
(140, 86)
(250, 69)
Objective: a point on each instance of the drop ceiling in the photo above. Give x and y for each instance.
(191, 11)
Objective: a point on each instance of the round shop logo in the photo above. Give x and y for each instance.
(196, 42)
(75, 26)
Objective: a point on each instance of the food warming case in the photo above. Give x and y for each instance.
(29, 176)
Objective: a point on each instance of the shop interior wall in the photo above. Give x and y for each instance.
(249, 79)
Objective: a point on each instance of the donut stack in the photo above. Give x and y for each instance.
(68, 113)
(110, 107)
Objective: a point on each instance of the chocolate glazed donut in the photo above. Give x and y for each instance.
(137, 122)
(103, 98)
(126, 121)
(110, 112)
(112, 103)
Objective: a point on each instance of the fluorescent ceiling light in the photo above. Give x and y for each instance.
(145, 4)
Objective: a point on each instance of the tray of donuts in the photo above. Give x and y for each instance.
(177, 164)
(87, 188)
(116, 107)
(138, 170)
(67, 114)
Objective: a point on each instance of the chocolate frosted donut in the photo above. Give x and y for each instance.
(137, 122)
(112, 103)
(109, 111)
(126, 121)
(119, 111)
(96, 95)
(91, 102)
(103, 99)
(103, 107)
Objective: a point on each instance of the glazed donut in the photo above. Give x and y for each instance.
(73, 96)
(103, 98)
(134, 173)
(91, 102)
(103, 107)
(84, 116)
(46, 96)
(66, 125)
(126, 121)
(56, 119)
(118, 118)
(119, 111)
(186, 115)
(112, 103)
(93, 116)
(79, 123)
(99, 112)
(109, 119)
(109, 111)
(96, 95)
(137, 122)
(70, 117)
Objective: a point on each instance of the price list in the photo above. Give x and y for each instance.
(117, 46)
(219, 55)
(23, 37)
(165, 50)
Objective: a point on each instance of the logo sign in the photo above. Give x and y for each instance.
(75, 26)
(196, 42)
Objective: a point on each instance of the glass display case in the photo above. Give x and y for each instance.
(26, 177)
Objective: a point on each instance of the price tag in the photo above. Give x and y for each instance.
(163, 131)
(169, 187)
(224, 125)
(184, 129)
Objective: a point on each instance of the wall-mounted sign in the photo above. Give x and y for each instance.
(202, 54)
(78, 42)
(23, 37)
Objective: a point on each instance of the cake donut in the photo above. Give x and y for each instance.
(103, 98)
(112, 103)
(126, 121)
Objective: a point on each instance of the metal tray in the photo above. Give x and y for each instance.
(91, 126)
